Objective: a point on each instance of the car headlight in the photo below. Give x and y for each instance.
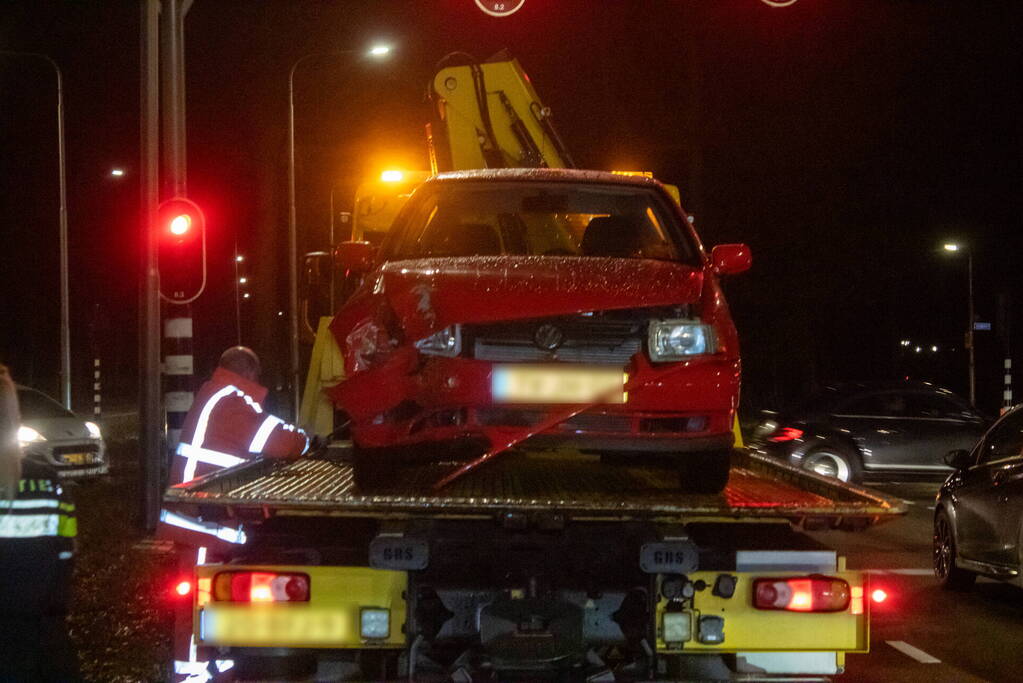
(28, 435)
(680, 339)
(447, 342)
(93, 430)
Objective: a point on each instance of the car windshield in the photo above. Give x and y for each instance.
(543, 219)
(35, 405)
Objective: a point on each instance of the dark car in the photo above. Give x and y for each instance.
(978, 517)
(875, 430)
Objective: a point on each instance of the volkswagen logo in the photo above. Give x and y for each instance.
(548, 337)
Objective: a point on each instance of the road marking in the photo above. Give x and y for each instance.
(915, 653)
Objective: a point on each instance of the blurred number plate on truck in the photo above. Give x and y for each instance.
(557, 384)
(76, 458)
(291, 625)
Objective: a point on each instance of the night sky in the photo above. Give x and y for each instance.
(843, 140)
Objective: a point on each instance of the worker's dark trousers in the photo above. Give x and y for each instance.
(36, 649)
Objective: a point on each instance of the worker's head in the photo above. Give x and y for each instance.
(241, 360)
(10, 450)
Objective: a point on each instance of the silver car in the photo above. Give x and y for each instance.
(59, 438)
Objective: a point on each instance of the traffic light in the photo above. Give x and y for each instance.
(182, 257)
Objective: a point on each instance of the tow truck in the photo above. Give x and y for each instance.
(536, 566)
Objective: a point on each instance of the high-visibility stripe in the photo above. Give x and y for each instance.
(204, 415)
(222, 532)
(65, 555)
(194, 455)
(67, 526)
(263, 433)
(200, 557)
(29, 526)
(24, 504)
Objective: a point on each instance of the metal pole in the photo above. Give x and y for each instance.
(292, 246)
(969, 330)
(65, 307)
(152, 422)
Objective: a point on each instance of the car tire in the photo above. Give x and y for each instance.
(704, 472)
(832, 460)
(372, 469)
(949, 575)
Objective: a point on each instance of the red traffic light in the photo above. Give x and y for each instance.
(181, 229)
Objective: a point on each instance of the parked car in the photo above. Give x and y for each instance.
(874, 430)
(978, 516)
(501, 297)
(49, 432)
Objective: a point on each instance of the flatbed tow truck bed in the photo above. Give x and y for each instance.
(578, 487)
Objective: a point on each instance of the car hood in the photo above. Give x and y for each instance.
(59, 428)
(430, 294)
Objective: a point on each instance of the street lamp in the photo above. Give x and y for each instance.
(376, 52)
(955, 247)
(65, 323)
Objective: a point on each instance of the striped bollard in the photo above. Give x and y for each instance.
(97, 402)
(1007, 391)
(178, 368)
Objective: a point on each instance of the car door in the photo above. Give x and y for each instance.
(877, 422)
(934, 425)
(988, 499)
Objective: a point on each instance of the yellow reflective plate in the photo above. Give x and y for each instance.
(549, 383)
(290, 625)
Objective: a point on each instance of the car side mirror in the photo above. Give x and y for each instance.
(958, 459)
(730, 259)
(355, 257)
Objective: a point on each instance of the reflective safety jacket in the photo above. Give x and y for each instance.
(37, 537)
(225, 426)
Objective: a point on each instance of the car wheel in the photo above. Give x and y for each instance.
(949, 575)
(704, 472)
(833, 461)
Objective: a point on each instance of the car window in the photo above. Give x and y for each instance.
(542, 219)
(881, 405)
(35, 405)
(1004, 441)
(933, 406)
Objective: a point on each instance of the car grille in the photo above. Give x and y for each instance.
(584, 339)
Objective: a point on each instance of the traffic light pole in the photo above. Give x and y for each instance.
(151, 418)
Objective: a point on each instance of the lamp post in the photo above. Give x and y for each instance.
(65, 324)
(377, 51)
(954, 247)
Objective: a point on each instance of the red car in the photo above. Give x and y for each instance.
(552, 307)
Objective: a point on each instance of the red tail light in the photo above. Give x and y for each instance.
(802, 594)
(786, 434)
(260, 587)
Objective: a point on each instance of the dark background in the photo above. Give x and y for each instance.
(843, 140)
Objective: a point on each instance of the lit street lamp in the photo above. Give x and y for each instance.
(954, 247)
(65, 323)
(377, 52)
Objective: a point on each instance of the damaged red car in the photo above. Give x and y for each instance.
(541, 309)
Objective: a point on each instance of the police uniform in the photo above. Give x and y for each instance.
(37, 538)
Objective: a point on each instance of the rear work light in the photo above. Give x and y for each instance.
(786, 434)
(802, 594)
(260, 587)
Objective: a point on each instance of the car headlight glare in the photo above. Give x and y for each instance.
(375, 622)
(680, 339)
(93, 430)
(447, 342)
(28, 435)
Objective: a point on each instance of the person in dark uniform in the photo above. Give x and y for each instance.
(37, 537)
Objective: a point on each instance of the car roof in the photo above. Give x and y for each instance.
(850, 388)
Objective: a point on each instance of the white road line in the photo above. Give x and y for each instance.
(915, 653)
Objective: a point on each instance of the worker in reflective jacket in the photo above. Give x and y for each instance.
(37, 538)
(225, 426)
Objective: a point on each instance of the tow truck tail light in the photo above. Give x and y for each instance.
(803, 594)
(260, 587)
(785, 434)
(856, 601)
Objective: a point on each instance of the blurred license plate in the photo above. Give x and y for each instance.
(76, 458)
(288, 626)
(557, 384)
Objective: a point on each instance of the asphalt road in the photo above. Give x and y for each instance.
(922, 632)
